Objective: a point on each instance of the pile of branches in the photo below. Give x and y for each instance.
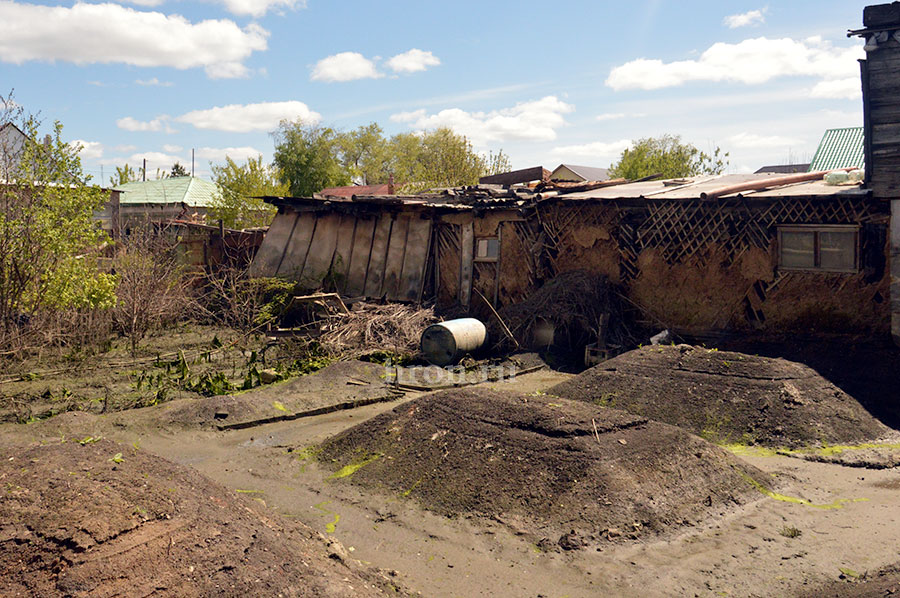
(574, 303)
(370, 328)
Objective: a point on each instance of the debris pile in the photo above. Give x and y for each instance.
(564, 473)
(727, 397)
(369, 327)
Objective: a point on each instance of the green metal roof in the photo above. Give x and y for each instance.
(840, 148)
(191, 191)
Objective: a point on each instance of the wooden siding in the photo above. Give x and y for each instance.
(383, 255)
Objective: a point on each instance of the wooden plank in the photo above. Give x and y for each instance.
(467, 258)
(340, 263)
(375, 271)
(321, 250)
(525, 175)
(297, 248)
(359, 257)
(274, 244)
(881, 15)
(417, 246)
(393, 266)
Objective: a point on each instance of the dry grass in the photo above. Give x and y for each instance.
(394, 328)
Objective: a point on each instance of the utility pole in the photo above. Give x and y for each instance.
(144, 178)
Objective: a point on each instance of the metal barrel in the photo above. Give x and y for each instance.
(445, 343)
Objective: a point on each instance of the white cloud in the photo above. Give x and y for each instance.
(160, 123)
(125, 148)
(531, 121)
(412, 61)
(242, 118)
(155, 160)
(258, 8)
(600, 151)
(172, 149)
(346, 66)
(763, 141)
(752, 61)
(110, 33)
(154, 82)
(145, 3)
(849, 89)
(753, 17)
(89, 149)
(218, 154)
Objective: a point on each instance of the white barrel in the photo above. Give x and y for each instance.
(446, 343)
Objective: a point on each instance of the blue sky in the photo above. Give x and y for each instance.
(566, 82)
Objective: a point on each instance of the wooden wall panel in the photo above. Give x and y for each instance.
(417, 249)
(298, 246)
(359, 256)
(321, 249)
(340, 263)
(375, 273)
(396, 252)
(270, 253)
(467, 255)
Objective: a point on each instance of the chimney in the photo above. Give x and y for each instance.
(881, 121)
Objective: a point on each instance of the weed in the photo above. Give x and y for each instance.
(790, 532)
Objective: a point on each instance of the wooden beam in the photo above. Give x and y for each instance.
(535, 173)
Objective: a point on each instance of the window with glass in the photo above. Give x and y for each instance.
(487, 249)
(827, 248)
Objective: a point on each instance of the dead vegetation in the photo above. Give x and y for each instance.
(369, 328)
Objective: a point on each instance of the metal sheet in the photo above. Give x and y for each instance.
(298, 246)
(375, 272)
(270, 253)
(321, 250)
(393, 268)
(359, 256)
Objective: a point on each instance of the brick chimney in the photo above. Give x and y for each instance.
(881, 121)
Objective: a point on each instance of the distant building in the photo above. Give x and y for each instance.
(186, 198)
(784, 169)
(570, 173)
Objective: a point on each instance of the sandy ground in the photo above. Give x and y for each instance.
(744, 553)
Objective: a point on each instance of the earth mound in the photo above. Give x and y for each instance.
(727, 397)
(103, 519)
(546, 467)
(341, 385)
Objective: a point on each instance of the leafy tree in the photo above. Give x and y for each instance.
(668, 157)
(240, 185)
(124, 174)
(308, 159)
(47, 234)
(178, 170)
(366, 154)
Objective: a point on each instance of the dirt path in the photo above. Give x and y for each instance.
(746, 553)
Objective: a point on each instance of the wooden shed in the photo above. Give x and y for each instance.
(780, 257)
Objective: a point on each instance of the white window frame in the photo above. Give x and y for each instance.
(815, 229)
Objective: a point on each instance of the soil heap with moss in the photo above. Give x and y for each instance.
(556, 470)
(727, 397)
(103, 519)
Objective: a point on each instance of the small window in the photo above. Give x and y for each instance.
(825, 248)
(487, 249)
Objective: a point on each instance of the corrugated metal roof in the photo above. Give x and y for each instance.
(191, 191)
(840, 148)
(587, 173)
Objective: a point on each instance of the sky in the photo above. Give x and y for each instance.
(574, 82)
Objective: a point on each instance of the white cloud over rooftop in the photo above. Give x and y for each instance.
(243, 118)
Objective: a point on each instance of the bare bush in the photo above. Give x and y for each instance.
(154, 287)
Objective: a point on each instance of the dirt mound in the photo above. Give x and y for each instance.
(727, 397)
(340, 385)
(548, 467)
(104, 519)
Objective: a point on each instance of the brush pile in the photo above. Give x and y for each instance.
(369, 327)
(573, 303)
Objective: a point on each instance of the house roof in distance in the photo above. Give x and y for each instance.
(784, 169)
(191, 191)
(840, 148)
(582, 173)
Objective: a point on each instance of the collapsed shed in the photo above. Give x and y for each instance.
(700, 255)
